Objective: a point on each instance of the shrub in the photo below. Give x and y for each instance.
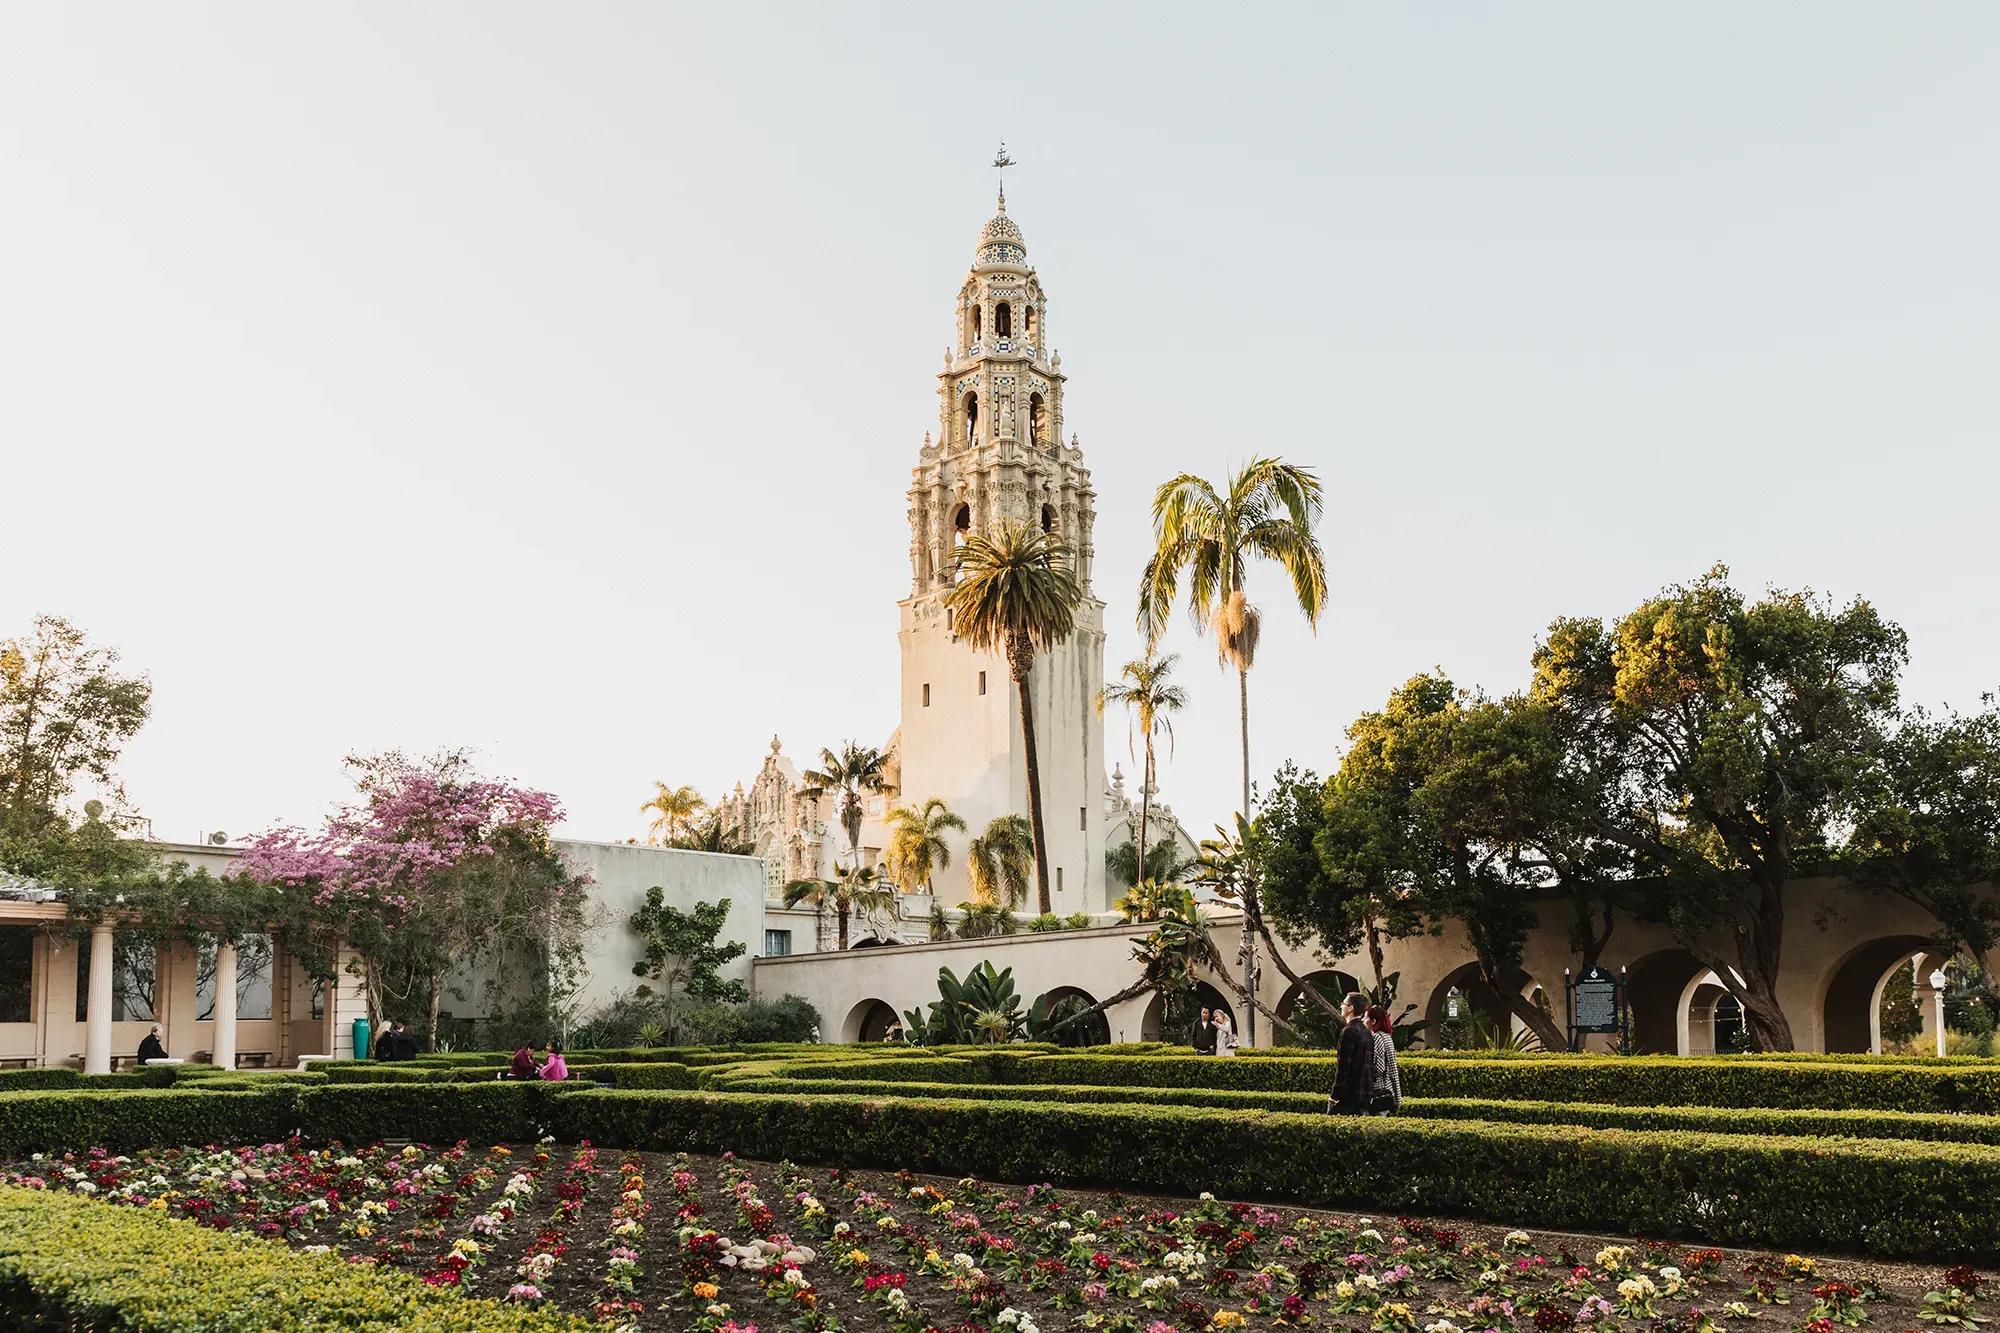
(1862, 1195)
(485, 1112)
(645, 1074)
(67, 1262)
(789, 1018)
(38, 1121)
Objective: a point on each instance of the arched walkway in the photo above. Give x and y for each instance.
(1157, 1024)
(1661, 990)
(1462, 1002)
(872, 942)
(1851, 1002)
(1313, 1025)
(868, 1021)
(1092, 1031)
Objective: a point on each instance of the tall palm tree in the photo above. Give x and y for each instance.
(1150, 696)
(1017, 591)
(917, 848)
(851, 775)
(853, 889)
(1205, 539)
(672, 808)
(997, 862)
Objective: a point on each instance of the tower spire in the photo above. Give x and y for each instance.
(1001, 162)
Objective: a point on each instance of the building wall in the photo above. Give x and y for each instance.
(623, 872)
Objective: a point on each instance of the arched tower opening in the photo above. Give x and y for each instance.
(1038, 419)
(971, 415)
(976, 313)
(1003, 320)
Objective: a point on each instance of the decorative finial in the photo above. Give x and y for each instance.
(1001, 162)
(776, 745)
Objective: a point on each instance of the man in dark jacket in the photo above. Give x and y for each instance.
(1352, 1059)
(1204, 1034)
(151, 1048)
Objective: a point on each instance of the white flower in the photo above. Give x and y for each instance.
(1441, 1326)
(1517, 1240)
(793, 1277)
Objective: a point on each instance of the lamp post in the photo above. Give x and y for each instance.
(1938, 980)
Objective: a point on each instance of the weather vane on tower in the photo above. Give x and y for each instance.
(1002, 162)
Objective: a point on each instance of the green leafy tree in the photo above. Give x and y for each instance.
(1204, 542)
(714, 834)
(66, 713)
(1331, 911)
(982, 1008)
(917, 846)
(1151, 698)
(852, 890)
(997, 863)
(683, 958)
(1744, 732)
(850, 776)
(1926, 827)
(1017, 592)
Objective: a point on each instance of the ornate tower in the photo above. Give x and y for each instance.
(998, 456)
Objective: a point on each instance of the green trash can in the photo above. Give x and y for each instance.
(361, 1039)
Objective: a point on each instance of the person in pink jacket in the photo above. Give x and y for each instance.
(554, 1070)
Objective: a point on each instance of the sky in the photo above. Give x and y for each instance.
(546, 379)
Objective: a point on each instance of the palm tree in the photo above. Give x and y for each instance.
(1017, 590)
(1207, 539)
(854, 889)
(1163, 863)
(997, 862)
(712, 835)
(672, 808)
(1152, 699)
(856, 770)
(917, 848)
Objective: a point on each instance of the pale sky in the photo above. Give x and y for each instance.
(546, 378)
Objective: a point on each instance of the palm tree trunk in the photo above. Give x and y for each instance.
(1145, 806)
(840, 914)
(1249, 925)
(1020, 658)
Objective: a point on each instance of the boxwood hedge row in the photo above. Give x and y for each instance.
(67, 1262)
(1933, 1200)
(1933, 1127)
(1636, 1081)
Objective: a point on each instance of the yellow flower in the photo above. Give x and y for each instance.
(1800, 1266)
(157, 1204)
(706, 1291)
(1227, 1319)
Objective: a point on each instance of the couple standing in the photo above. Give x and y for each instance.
(1365, 1078)
(1213, 1034)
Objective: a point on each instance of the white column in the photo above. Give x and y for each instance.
(225, 1006)
(97, 1000)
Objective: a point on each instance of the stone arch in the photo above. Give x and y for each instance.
(1154, 1024)
(1092, 1031)
(1003, 320)
(1662, 990)
(1038, 421)
(1851, 993)
(977, 316)
(869, 1020)
(1474, 999)
(872, 942)
(1330, 982)
(971, 416)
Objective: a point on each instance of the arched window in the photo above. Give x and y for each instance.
(1037, 419)
(1028, 321)
(1003, 321)
(976, 310)
(1048, 518)
(971, 417)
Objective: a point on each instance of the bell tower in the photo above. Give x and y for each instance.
(998, 456)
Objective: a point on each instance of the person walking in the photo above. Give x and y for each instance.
(554, 1069)
(1204, 1033)
(1385, 1082)
(1225, 1034)
(1352, 1059)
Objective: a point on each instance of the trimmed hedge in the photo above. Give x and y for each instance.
(40, 1121)
(1635, 1081)
(486, 1112)
(1929, 1200)
(1930, 1127)
(68, 1262)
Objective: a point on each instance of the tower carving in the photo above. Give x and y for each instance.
(999, 455)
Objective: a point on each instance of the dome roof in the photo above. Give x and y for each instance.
(1000, 240)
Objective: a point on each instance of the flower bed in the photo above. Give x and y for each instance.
(644, 1241)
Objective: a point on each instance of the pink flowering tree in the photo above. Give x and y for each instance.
(432, 874)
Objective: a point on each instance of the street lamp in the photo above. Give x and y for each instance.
(1938, 980)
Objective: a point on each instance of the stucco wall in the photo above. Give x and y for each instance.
(622, 874)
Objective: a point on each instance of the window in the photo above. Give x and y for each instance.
(17, 973)
(1028, 320)
(777, 943)
(975, 323)
(316, 1001)
(253, 979)
(1048, 518)
(1003, 321)
(982, 682)
(927, 694)
(971, 417)
(133, 969)
(1058, 879)
(1083, 818)
(1037, 419)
